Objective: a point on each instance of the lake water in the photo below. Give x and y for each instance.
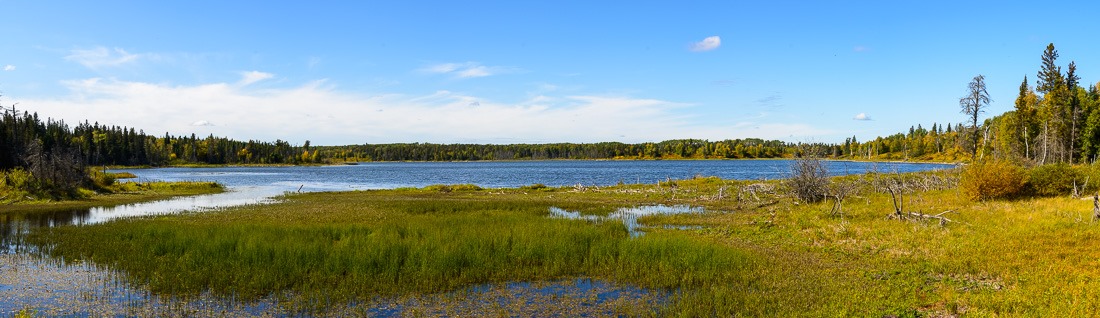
(497, 174)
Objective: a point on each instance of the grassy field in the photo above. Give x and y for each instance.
(758, 253)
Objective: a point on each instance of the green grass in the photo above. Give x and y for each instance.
(758, 256)
(117, 194)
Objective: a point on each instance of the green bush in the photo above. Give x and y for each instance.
(994, 179)
(1054, 179)
(101, 179)
(450, 188)
(1091, 173)
(16, 179)
(15, 185)
(537, 186)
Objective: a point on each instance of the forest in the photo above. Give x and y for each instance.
(1056, 120)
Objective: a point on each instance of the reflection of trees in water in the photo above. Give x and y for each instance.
(14, 225)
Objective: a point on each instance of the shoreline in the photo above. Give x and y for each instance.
(157, 191)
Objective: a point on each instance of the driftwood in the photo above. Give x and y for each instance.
(900, 214)
(924, 217)
(1076, 193)
(752, 190)
(838, 191)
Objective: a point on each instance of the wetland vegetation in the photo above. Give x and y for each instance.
(756, 250)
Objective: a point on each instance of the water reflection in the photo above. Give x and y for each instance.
(14, 225)
(629, 216)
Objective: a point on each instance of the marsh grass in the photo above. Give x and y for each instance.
(329, 248)
(118, 194)
(768, 255)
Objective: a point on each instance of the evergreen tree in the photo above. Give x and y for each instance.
(1025, 121)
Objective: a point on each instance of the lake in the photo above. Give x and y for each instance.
(498, 174)
(250, 185)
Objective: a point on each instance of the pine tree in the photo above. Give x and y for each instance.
(1073, 107)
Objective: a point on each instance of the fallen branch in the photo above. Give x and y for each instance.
(917, 216)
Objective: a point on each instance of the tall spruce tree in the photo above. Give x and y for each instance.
(1073, 107)
(1051, 85)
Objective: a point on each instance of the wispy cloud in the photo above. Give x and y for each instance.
(466, 70)
(9, 68)
(860, 48)
(861, 116)
(253, 76)
(771, 101)
(202, 123)
(100, 57)
(707, 44)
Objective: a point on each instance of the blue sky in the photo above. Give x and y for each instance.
(526, 71)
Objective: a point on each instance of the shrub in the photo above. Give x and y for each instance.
(101, 180)
(15, 185)
(537, 186)
(994, 179)
(16, 179)
(1054, 179)
(445, 188)
(809, 179)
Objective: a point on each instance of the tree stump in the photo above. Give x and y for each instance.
(1096, 206)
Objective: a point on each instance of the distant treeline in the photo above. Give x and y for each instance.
(25, 136)
(670, 149)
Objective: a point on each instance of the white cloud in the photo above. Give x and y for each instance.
(253, 76)
(707, 44)
(99, 57)
(9, 68)
(319, 113)
(860, 48)
(861, 116)
(466, 70)
(477, 71)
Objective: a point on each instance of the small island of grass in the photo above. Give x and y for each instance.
(22, 192)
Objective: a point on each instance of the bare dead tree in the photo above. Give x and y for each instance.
(839, 191)
(809, 179)
(59, 170)
(898, 187)
(973, 105)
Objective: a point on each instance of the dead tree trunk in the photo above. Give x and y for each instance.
(1095, 207)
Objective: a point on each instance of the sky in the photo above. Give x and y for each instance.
(502, 72)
